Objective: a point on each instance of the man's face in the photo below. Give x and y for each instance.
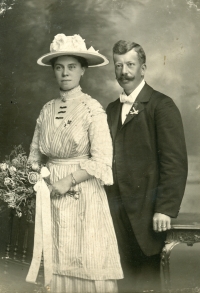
(129, 72)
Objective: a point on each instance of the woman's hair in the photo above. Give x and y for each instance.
(122, 47)
(81, 60)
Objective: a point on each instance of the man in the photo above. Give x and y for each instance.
(149, 169)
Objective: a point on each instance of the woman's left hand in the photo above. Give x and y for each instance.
(61, 186)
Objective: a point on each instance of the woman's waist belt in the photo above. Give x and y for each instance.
(68, 161)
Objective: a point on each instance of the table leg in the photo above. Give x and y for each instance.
(165, 261)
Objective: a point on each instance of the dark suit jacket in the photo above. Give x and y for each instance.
(150, 163)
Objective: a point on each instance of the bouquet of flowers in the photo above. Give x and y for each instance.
(17, 178)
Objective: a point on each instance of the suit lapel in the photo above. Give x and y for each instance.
(115, 116)
(138, 105)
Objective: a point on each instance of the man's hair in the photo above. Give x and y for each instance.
(122, 47)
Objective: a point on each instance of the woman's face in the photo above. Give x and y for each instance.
(68, 72)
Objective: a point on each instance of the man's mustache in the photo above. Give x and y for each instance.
(125, 77)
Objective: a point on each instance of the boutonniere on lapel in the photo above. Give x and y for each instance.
(133, 110)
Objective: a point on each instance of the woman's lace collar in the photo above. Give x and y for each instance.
(70, 95)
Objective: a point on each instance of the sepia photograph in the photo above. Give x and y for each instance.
(99, 146)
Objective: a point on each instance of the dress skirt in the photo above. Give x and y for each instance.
(75, 285)
(85, 252)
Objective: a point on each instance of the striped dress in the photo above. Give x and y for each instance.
(74, 135)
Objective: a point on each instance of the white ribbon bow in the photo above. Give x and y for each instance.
(42, 237)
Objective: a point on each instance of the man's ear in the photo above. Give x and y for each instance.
(143, 69)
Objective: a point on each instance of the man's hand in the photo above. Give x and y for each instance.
(161, 222)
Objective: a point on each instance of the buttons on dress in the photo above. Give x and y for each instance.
(61, 112)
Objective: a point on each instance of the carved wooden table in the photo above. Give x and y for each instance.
(184, 229)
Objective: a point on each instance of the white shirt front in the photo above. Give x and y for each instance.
(127, 105)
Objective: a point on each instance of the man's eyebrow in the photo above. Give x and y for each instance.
(125, 62)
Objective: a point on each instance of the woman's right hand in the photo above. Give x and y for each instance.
(62, 186)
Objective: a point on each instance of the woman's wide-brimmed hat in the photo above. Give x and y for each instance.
(75, 46)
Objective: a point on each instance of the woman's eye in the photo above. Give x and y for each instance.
(71, 67)
(58, 67)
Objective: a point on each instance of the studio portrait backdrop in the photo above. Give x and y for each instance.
(168, 31)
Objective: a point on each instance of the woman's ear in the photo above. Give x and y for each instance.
(83, 71)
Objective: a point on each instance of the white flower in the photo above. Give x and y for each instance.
(19, 214)
(35, 166)
(33, 177)
(58, 43)
(12, 170)
(62, 42)
(134, 111)
(78, 43)
(11, 205)
(16, 162)
(4, 166)
(8, 181)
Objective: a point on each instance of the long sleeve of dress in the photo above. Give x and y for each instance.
(100, 162)
(35, 155)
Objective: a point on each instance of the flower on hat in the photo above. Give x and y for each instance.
(78, 43)
(62, 42)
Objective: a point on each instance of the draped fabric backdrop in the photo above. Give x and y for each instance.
(168, 30)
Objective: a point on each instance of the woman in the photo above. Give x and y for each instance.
(72, 132)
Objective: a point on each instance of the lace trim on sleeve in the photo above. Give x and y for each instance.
(98, 170)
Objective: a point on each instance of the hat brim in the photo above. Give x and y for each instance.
(93, 59)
